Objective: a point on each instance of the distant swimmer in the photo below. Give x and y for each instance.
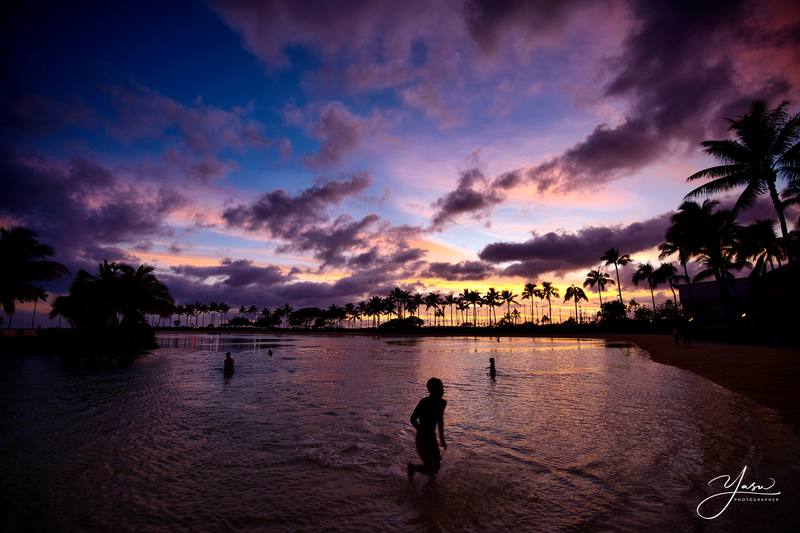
(269, 352)
(429, 414)
(228, 363)
(492, 369)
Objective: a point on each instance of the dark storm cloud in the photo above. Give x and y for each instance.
(489, 20)
(583, 248)
(330, 243)
(234, 273)
(242, 283)
(679, 71)
(82, 209)
(285, 216)
(472, 195)
(463, 271)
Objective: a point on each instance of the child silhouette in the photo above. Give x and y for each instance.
(426, 416)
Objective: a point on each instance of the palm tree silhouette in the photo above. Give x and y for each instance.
(684, 234)
(546, 292)
(765, 147)
(717, 253)
(528, 292)
(24, 263)
(759, 242)
(433, 300)
(449, 301)
(613, 257)
(118, 290)
(472, 298)
(668, 273)
(575, 294)
(38, 294)
(492, 298)
(646, 272)
(508, 298)
(600, 279)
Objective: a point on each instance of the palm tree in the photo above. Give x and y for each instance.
(224, 308)
(765, 147)
(546, 292)
(23, 263)
(415, 301)
(450, 301)
(363, 310)
(38, 294)
(472, 298)
(118, 290)
(351, 311)
(600, 279)
(492, 299)
(376, 305)
(507, 297)
(646, 272)
(718, 253)
(668, 273)
(528, 292)
(575, 294)
(759, 242)
(433, 300)
(684, 235)
(400, 298)
(463, 306)
(613, 257)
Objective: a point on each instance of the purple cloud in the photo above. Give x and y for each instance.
(284, 215)
(339, 132)
(463, 271)
(82, 209)
(472, 195)
(678, 69)
(234, 273)
(567, 251)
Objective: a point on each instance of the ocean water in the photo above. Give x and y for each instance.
(571, 435)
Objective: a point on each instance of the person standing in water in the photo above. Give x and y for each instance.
(228, 363)
(492, 369)
(428, 414)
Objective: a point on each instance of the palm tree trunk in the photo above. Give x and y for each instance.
(550, 306)
(600, 295)
(689, 285)
(9, 320)
(653, 296)
(776, 201)
(619, 286)
(33, 318)
(576, 310)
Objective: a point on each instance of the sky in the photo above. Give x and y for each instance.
(318, 152)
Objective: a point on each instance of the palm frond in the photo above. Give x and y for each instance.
(717, 172)
(719, 185)
(727, 151)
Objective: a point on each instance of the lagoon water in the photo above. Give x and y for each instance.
(572, 435)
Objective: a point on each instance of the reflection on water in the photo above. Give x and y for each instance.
(572, 434)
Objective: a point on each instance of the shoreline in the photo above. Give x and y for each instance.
(767, 374)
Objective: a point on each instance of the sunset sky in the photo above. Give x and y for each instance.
(318, 152)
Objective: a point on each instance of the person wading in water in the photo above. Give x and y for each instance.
(426, 416)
